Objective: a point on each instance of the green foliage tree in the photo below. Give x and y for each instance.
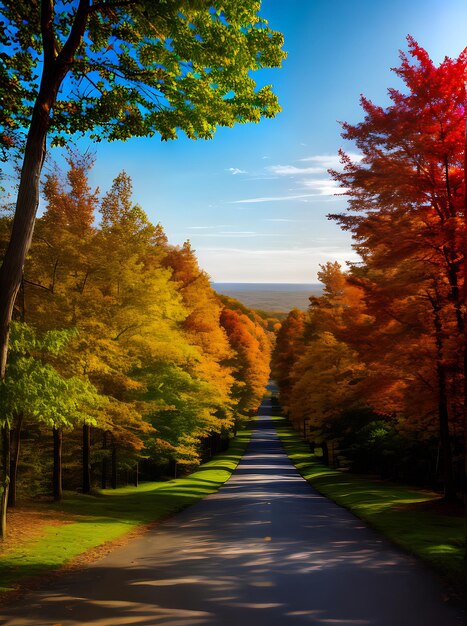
(117, 70)
(35, 390)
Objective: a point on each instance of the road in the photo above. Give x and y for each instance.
(266, 550)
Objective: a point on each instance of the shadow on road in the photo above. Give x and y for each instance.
(265, 550)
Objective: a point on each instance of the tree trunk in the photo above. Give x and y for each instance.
(5, 478)
(16, 432)
(114, 466)
(443, 414)
(86, 458)
(11, 271)
(137, 474)
(54, 69)
(105, 461)
(57, 470)
(325, 449)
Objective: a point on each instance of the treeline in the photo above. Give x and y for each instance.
(121, 351)
(375, 370)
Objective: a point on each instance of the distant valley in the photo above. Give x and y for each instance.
(271, 297)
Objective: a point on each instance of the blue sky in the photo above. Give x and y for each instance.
(253, 201)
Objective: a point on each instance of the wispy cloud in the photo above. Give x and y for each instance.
(292, 170)
(331, 161)
(312, 178)
(273, 198)
(235, 170)
(324, 186)
(240, 234)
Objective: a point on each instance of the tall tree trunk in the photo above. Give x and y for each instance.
(11, 271)
(136, 481)
(325, 449)
(113, 478)
(443, 413)
(5, 478)
(86, 458)
(15, 439)
(55, 67)
(105, 461)
(57, 469)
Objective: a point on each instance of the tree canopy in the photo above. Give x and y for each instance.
(386, 340)
(118, 69)
(136, 68)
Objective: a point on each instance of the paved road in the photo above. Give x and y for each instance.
(266, 550)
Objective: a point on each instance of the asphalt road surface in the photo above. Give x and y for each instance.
(266, 550)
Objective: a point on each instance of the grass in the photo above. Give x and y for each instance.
(414, 519)
(81, 523)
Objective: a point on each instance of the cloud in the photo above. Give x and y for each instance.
(273, 198)
(324, 186)
(331, 161)
(235, 170)
(292, 170)
(239, 233)
(307, 179)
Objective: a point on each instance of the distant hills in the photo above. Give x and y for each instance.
(272, 297)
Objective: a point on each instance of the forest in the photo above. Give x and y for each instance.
(130, 389)
(374, 372)
(124, 363)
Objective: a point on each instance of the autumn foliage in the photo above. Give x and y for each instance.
(386, 339)
(122, 354)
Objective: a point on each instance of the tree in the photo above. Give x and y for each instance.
(289, 346)
(203, 328)
(319, 371)
(406, 205)
(250, 361)
(117, 70)
(35, 390)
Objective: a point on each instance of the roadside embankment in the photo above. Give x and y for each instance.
(415, 519)
(46, 537)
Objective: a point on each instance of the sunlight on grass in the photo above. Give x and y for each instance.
(84, 522)
(437, 537)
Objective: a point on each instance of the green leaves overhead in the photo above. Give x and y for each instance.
(35, 387)
(142, 68)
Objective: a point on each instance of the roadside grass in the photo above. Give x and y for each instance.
(81, 523)
(415, 519)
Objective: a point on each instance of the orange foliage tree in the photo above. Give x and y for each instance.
(251, 349)
(406, 214)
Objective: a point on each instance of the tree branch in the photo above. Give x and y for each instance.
(47, 31)
(130, 327)
(30, 282)
(67, 53)
(99, 6)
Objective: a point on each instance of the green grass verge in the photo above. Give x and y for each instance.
(404, 514)
(94, 520)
